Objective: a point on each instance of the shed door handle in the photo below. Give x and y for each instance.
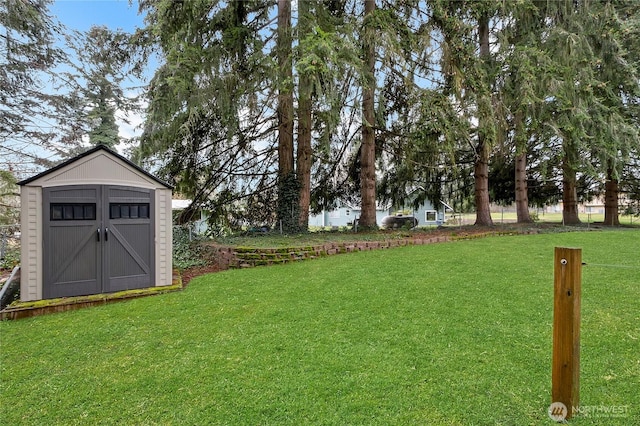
(106, 234)
(98, 234)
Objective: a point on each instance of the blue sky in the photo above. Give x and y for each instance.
(82, 14)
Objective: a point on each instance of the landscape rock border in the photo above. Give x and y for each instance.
(221, 257)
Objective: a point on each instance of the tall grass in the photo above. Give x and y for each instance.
(449, 334)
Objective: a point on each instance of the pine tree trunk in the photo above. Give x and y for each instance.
(287, 212)
(520, 141)
(481, 168)
(285, 93)
(481, 177)
(611, 217)
(304, 151)
(304, 154)
(522, 196)
(522, 190)
(368, 150)
(569, 194)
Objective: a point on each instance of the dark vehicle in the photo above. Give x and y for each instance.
(259, 229)
(399, 221)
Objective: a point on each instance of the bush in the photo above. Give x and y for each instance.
(187, 249)
(9, 246)
(11, 258)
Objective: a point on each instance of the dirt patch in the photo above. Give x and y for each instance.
(190, 273)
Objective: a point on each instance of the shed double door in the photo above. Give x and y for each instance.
(97, 239)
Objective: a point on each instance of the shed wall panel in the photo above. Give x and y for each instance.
(164, 238)
(31, 243)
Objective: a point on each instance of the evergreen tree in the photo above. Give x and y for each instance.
(420, 127)
(368, 148)
(321, 56)
(486, 127)
(103, 65)
(466, 89)
(210, 119)
(591, 91)
(470, 82)
(288, 184)
(614, 131)
(304, 148)
(29, 112)
(522, 92)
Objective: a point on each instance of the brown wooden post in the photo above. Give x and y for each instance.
(565, 372)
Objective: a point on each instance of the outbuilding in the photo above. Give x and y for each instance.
(94, 224)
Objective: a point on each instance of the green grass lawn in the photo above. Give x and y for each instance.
(449, 334)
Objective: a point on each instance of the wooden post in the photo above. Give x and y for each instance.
(565, 372)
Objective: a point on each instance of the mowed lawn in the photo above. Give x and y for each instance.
(449, 334)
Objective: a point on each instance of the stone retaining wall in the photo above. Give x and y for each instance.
(246, 257)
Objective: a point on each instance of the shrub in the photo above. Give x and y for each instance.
(11, 258)
(187, 249)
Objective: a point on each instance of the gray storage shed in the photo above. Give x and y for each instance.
(94, 224)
